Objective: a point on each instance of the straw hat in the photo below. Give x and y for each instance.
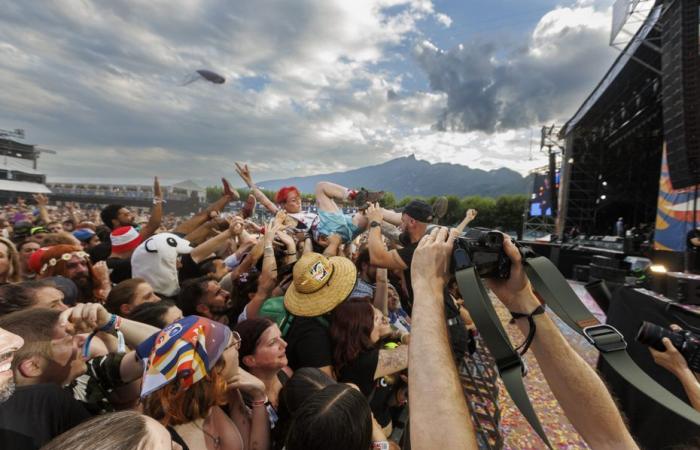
(320, 284)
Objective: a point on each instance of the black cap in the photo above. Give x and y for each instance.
(419, 210)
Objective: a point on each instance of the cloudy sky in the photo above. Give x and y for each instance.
(311, 85)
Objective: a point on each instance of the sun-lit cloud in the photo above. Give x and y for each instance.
(312, 85)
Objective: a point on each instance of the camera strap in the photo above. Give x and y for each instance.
(510, 366)
(551, 285)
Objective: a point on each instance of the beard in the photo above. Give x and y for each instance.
(85, 287)
(405, 238)
(7, 390)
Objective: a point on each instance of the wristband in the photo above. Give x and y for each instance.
(111, 323)
(255, 403)
(380, 445)
(522, 348)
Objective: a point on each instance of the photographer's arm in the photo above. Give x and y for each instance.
(673, 361)
(439, 416)
(572, 381)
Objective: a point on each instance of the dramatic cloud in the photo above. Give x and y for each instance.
(491, 87)
(311, 85)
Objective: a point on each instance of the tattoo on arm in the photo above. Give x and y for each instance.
(391, 361)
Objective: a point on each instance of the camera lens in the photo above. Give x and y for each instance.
(651, 335)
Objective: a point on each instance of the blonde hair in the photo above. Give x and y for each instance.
(13, 271)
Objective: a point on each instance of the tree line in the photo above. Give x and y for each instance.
(504, 212)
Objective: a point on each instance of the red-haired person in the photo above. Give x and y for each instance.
(186, 393)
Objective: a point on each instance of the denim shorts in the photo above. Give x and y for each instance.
(337, 223)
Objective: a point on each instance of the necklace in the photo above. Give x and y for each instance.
(216, 439)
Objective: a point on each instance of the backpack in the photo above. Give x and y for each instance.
(274, 309)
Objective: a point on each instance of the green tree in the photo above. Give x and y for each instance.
(388, 201)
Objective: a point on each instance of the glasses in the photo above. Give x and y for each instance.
(235, 341)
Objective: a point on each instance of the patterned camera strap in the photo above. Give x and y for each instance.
(510, 365)
(549, 283)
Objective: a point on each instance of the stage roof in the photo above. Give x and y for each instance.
(615, 70)
(23, 186)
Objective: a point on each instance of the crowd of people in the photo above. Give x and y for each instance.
(124, 330)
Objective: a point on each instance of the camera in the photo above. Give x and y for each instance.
(687, 342)
(483, 249)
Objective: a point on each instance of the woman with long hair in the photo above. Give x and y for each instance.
(356, 329)
(192, 373)
(10, 271)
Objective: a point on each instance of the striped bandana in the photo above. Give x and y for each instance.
(185, 351)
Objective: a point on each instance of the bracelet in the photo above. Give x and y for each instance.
(255, 403)
(522, 348)
(290, 253)
(157, 201)
(380, 445)
(110, 323)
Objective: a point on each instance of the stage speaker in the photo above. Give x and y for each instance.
(680, 75)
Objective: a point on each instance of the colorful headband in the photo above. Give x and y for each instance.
(64, 257)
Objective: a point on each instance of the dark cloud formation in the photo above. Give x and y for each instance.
(492, 87)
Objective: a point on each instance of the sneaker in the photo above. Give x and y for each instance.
(440, 207)
(228, 192)
(248, 207)
(364, 196)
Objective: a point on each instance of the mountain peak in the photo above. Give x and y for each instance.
(408, 176)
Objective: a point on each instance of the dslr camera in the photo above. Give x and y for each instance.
(687, 342)
(483, 249)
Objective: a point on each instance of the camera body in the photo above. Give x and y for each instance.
(687, 342)
(483, 249)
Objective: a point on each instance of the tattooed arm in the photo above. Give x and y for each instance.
(391, 361)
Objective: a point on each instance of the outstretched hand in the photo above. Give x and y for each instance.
(157, 194)
(431, 260)
(41, 199)
(375, 213)
(244, 172)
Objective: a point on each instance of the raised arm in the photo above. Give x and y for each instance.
(381, 291)
(268, 276)
(439, 415)
(391, 361)
(156, 212)
(378, 254)
(252, 423)
(468, 217)
(572, 381)
(206, 248)
(245, 175)
(41, 202)
(229, 195)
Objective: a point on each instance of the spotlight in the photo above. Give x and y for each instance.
(603, 197)
(658, 268)
(605, 183)
(571, 160)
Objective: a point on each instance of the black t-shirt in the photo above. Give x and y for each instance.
(100, 252)
(189, 269)
(120, 269)
(308, 344)
(361, 372)
(406, 254)
(34, 415)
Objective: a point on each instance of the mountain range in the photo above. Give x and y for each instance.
(408, 176)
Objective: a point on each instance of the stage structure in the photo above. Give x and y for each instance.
(613, 144)
(16, 177)
(541, 210)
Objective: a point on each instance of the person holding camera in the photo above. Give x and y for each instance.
(673, 361)
(439, 416)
